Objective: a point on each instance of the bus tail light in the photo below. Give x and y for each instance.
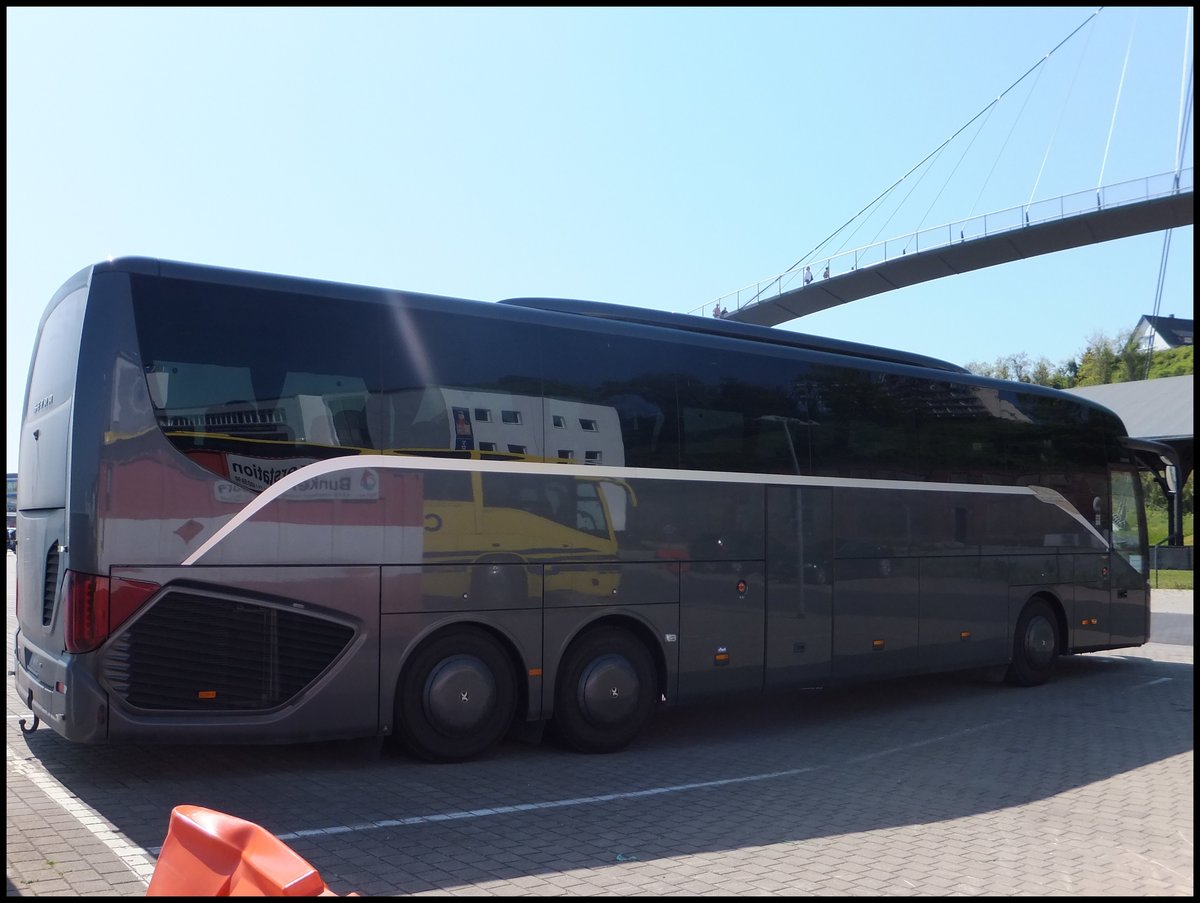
(96, 606)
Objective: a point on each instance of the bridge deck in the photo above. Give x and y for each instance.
(972, 253)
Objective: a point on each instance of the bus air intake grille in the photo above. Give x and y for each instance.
(196, 653)
(50, 585)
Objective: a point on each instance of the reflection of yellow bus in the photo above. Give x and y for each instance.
(487, 529)
(484, 532)
(487, 535)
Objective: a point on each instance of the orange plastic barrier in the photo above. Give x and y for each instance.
(210, 854)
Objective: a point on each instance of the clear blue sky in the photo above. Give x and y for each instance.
(655, 157)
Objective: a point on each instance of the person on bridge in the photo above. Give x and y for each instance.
(825, 275)
(807, 275)
(717, 312)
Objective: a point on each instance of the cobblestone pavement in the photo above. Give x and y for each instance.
(921, 787)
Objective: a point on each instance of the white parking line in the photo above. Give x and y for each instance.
(1153, 683)
(630, 795)
(137, 860)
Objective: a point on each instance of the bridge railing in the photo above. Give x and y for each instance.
(1082, 202)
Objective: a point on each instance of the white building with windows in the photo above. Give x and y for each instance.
(1162, 333)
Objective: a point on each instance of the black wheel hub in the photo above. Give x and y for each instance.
(608, 690)
(459, 694)
(1039, 641)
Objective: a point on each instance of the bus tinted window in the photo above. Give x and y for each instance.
(632, 377)
(742, 410)
(308, 375)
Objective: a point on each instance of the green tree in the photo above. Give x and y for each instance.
(1099, 362)
(1103, 360)
(1134, 359)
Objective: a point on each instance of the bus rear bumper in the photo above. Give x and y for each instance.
(59, 695)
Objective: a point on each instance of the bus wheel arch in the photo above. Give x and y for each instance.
(608, 683)
(458, 694)
(1039, 638)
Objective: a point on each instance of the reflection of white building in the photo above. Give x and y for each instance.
(536, 427)
(11, 504)
(530, 425)
(411, 421)
(432, 419)
(999, 407)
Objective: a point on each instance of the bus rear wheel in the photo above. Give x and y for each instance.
(605, 691)
(456, 697)
(1035, 645)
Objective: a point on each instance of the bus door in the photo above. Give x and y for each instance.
(722, 592)
(877, 602)
(1128, 560)
(721, 625)
(799, 636)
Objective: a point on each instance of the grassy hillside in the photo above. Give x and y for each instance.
(1156, 526)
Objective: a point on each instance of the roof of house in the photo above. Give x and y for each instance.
(1151, 408)
(1175, 331)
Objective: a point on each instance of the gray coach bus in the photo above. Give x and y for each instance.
(261, 508)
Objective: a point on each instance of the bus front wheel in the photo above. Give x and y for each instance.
(456, 697)
(1035, 645)
(605, 691)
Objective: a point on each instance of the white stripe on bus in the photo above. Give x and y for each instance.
(405, 462)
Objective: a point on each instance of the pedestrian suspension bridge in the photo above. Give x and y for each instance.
(823, 278)
(1153, 204)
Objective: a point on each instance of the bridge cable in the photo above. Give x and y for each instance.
(1185, 117)
(917, 185)
(1185, 101)
(1158, 291)
(1001, 96)
(1116, 107)
(1000, 153)
(1054, 135)
(945, 185)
